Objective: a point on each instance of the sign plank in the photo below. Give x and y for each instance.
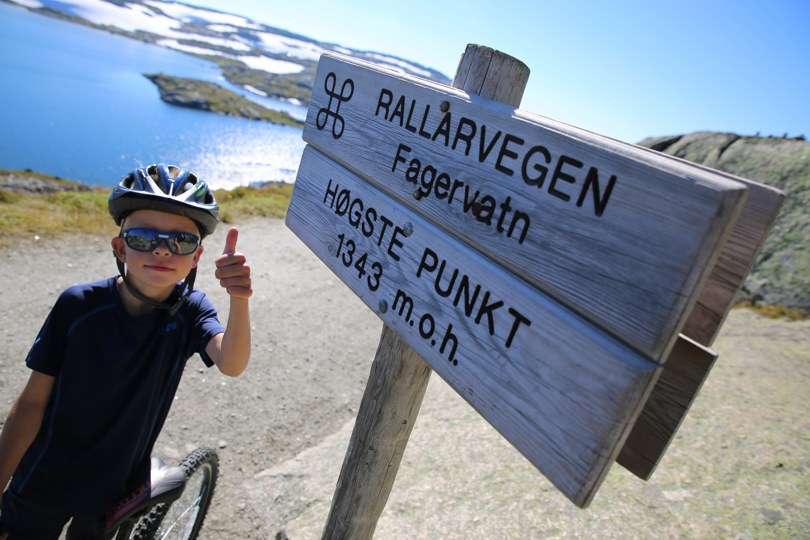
(622, 235)
(672, 396)
(560, 389)
(738, 255)
(689, 363)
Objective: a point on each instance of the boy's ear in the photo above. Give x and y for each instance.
(118, 246)
(197, 255)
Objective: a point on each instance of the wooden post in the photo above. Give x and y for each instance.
(399, 376)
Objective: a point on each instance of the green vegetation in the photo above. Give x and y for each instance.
(285, 86)
(207, 96)
(270, 200)
(775, 312)
(26, 215)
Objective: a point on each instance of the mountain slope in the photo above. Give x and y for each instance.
(259, 58)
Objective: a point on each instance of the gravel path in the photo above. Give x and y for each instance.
(738, 468)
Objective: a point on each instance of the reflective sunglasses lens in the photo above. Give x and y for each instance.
(184, 243)
(140, 239)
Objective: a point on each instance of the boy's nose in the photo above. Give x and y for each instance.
(162, 245)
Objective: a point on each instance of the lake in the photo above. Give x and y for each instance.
(75, 104)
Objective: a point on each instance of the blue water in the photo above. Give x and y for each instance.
(74, 103)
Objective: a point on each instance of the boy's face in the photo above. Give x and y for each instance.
(156, 272)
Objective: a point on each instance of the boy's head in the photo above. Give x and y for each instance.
(165, 188)
(172, 201)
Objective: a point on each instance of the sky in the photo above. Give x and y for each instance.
(627, 69)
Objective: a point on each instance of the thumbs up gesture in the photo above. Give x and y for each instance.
(232, 271)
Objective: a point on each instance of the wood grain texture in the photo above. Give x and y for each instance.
(561, 390)
(485, 72)
(683, 375)
(387, 414)
(533, 194)
(401, 377)
(688, 364)
(736, 259)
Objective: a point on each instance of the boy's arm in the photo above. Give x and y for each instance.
(23, 423)
(231, 351)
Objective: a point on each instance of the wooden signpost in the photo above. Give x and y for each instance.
(479, 326)
(545, 272)
(621, 234)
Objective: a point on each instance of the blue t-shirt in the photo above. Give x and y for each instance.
(116, 376)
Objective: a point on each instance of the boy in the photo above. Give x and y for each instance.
(107, 362)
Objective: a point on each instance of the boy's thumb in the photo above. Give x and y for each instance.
(230, 241)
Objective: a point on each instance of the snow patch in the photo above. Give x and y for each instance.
(294, 47)
(406, 67)
(224, 28)
(220, 42)
(255, 90)
(262, 63)
(188, 13)
(166, 19)
(129, 17)
(271, 65)
(173, 44)
(33, 4)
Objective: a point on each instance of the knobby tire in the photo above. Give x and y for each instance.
(183, 518)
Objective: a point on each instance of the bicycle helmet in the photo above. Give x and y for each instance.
(166, 188)
(170, 189)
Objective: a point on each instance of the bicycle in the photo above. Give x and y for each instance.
(172, 505)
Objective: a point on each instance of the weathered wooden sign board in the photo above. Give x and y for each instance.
(620, 234)
(560, 389)
(545, 272)
(690, 360)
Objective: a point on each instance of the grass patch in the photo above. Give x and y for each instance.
(270, 200)
(24, 216)
(775, 312)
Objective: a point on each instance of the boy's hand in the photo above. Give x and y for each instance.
(232, 271)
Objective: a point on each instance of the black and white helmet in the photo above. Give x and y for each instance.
(166, 188)
(170, 189)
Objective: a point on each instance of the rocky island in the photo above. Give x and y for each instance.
(207, 96)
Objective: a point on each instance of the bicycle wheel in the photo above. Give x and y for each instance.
(183, 518)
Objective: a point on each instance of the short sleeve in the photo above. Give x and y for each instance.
(206, 324)
(47, 353)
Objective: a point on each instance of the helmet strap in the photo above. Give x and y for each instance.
(184, 293)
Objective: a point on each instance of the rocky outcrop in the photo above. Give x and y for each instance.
(36, 183)
(781, 274)
(207, 96)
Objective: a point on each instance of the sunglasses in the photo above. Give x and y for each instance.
(180, 243)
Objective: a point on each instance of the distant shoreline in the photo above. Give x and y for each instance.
(210, 97)
(36, 183)
(38, 205)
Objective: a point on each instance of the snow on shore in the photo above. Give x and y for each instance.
(205, 31)
(167, 18)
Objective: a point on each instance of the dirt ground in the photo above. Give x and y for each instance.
(738, 468)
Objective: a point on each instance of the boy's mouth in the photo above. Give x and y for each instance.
(159, 267)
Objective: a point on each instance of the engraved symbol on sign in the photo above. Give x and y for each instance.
(346, 91)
